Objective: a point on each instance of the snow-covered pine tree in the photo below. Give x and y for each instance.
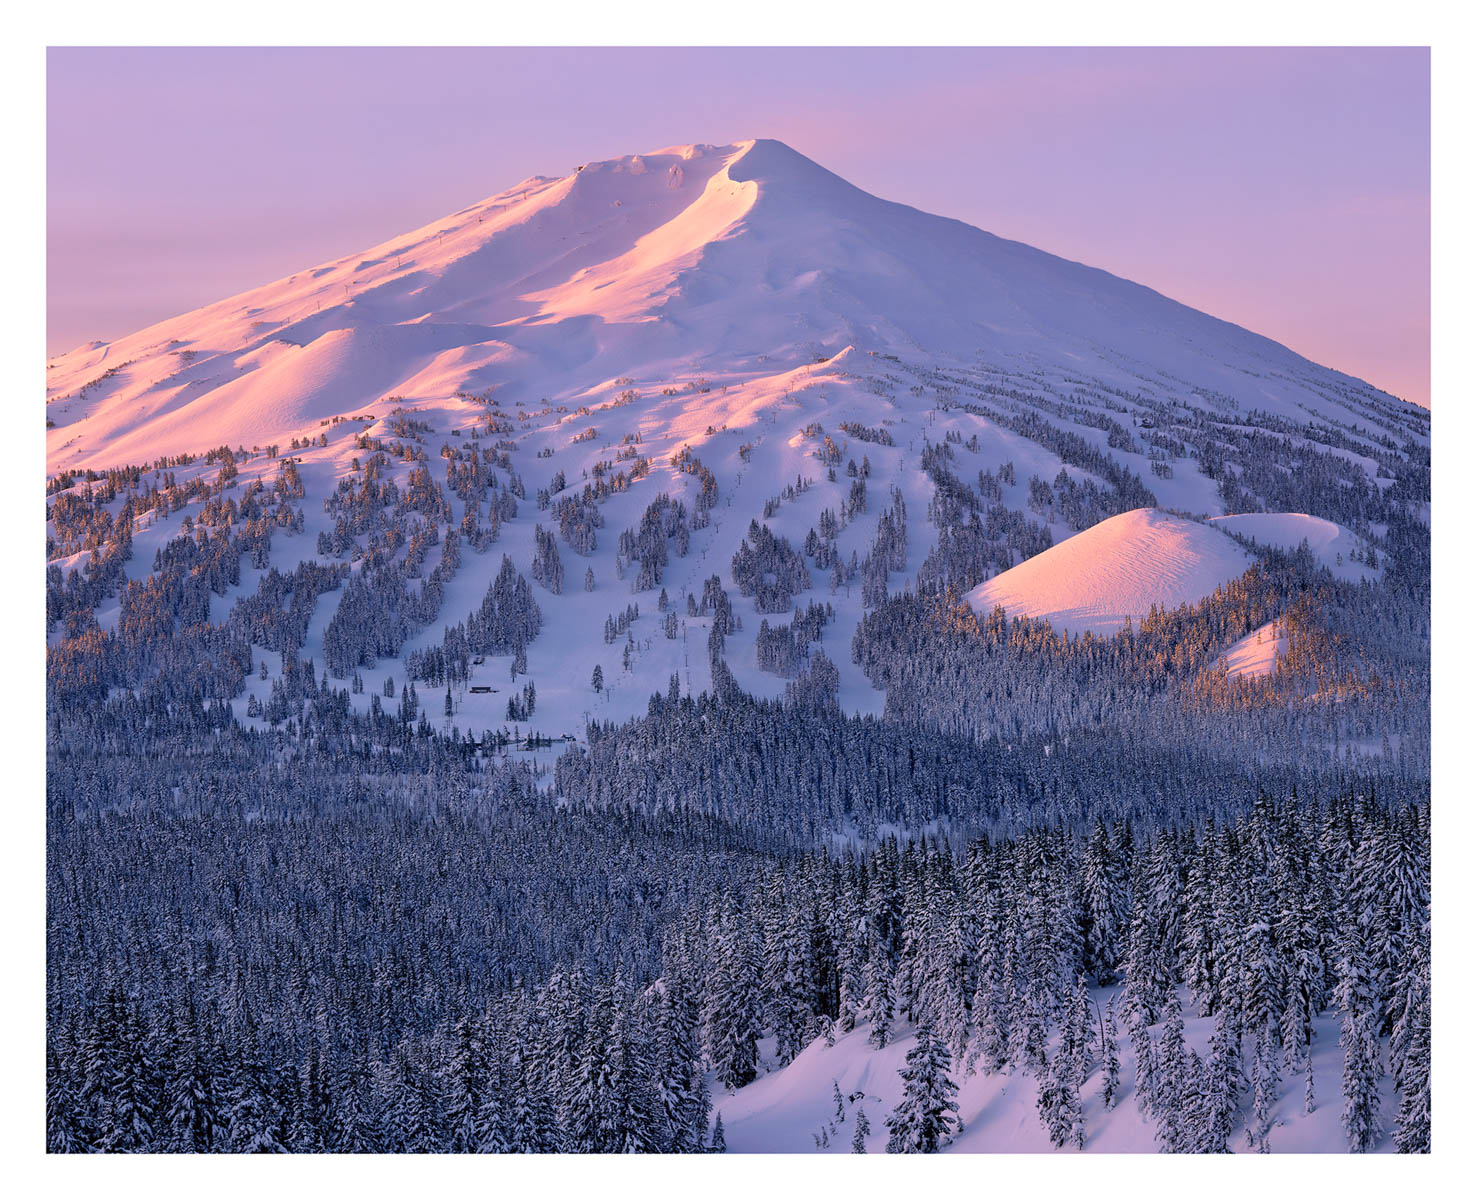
(1059, 1099)
(877, 1004)
(1221, 1098)
(1266, 1083)
(732, 1013)
(1105, 903)
(926, 1117)
(1111, 1067)
(1411, 1040)
(1171, 1073)
(1359, 1039)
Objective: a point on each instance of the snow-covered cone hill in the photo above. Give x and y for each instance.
(747, 305)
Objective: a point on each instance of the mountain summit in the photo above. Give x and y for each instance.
(731, 261)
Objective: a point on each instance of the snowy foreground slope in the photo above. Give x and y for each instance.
(793, 1110)
(743, 309)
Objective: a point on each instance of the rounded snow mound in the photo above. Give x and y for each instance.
(1117, 570)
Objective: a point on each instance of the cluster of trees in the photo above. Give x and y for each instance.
(1127, 490)
(782, 771)
(578, 519)
(875, 434)
(784, 649)
(1078, 504)
(970, 551)
(889, 553)
(770, 570)
(262, 617)
(622, 621)
(377, 611)
(546, 568)
(791, 491)
(520, 706)
(1357, 670)
(663, 520)
(707, 496)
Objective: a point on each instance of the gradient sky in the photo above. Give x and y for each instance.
(1285, 190)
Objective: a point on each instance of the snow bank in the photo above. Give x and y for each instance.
(1256, 654)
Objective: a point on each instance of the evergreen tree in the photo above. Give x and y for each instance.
(1411, 1039)
(1059, 1100)
(1221, 1095)
(1359, 1040)
(732, 1022)
(1111, 1068)
(1172, 1076)
(925, 1118)
(1266, 1081)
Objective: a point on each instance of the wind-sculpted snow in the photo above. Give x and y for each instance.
(1115, 572)
(1332, 545)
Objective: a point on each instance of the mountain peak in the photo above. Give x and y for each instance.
(722, 257)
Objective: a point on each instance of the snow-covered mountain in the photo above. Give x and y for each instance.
(594, 456)
(737, 262)
(745, 310)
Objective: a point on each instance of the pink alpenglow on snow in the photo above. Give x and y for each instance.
(1116, 572)
(1256, 655)
(1312, 165)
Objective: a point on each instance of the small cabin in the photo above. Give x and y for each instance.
(480, 689)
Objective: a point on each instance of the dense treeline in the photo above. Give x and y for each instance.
(790, 770)
(1356, 673)
(373, 979)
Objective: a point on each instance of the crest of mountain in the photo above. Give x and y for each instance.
(732, 261)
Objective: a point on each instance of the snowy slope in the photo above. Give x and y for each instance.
(786, 1110)
(725, 259)
(1256, 654)
(1116, 572)
(1332, 545)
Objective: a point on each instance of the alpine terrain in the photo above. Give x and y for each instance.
(690, 655)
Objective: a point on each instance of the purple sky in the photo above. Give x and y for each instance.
(1286, 190)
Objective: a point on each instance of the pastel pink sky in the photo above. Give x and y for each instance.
(1287, 190)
